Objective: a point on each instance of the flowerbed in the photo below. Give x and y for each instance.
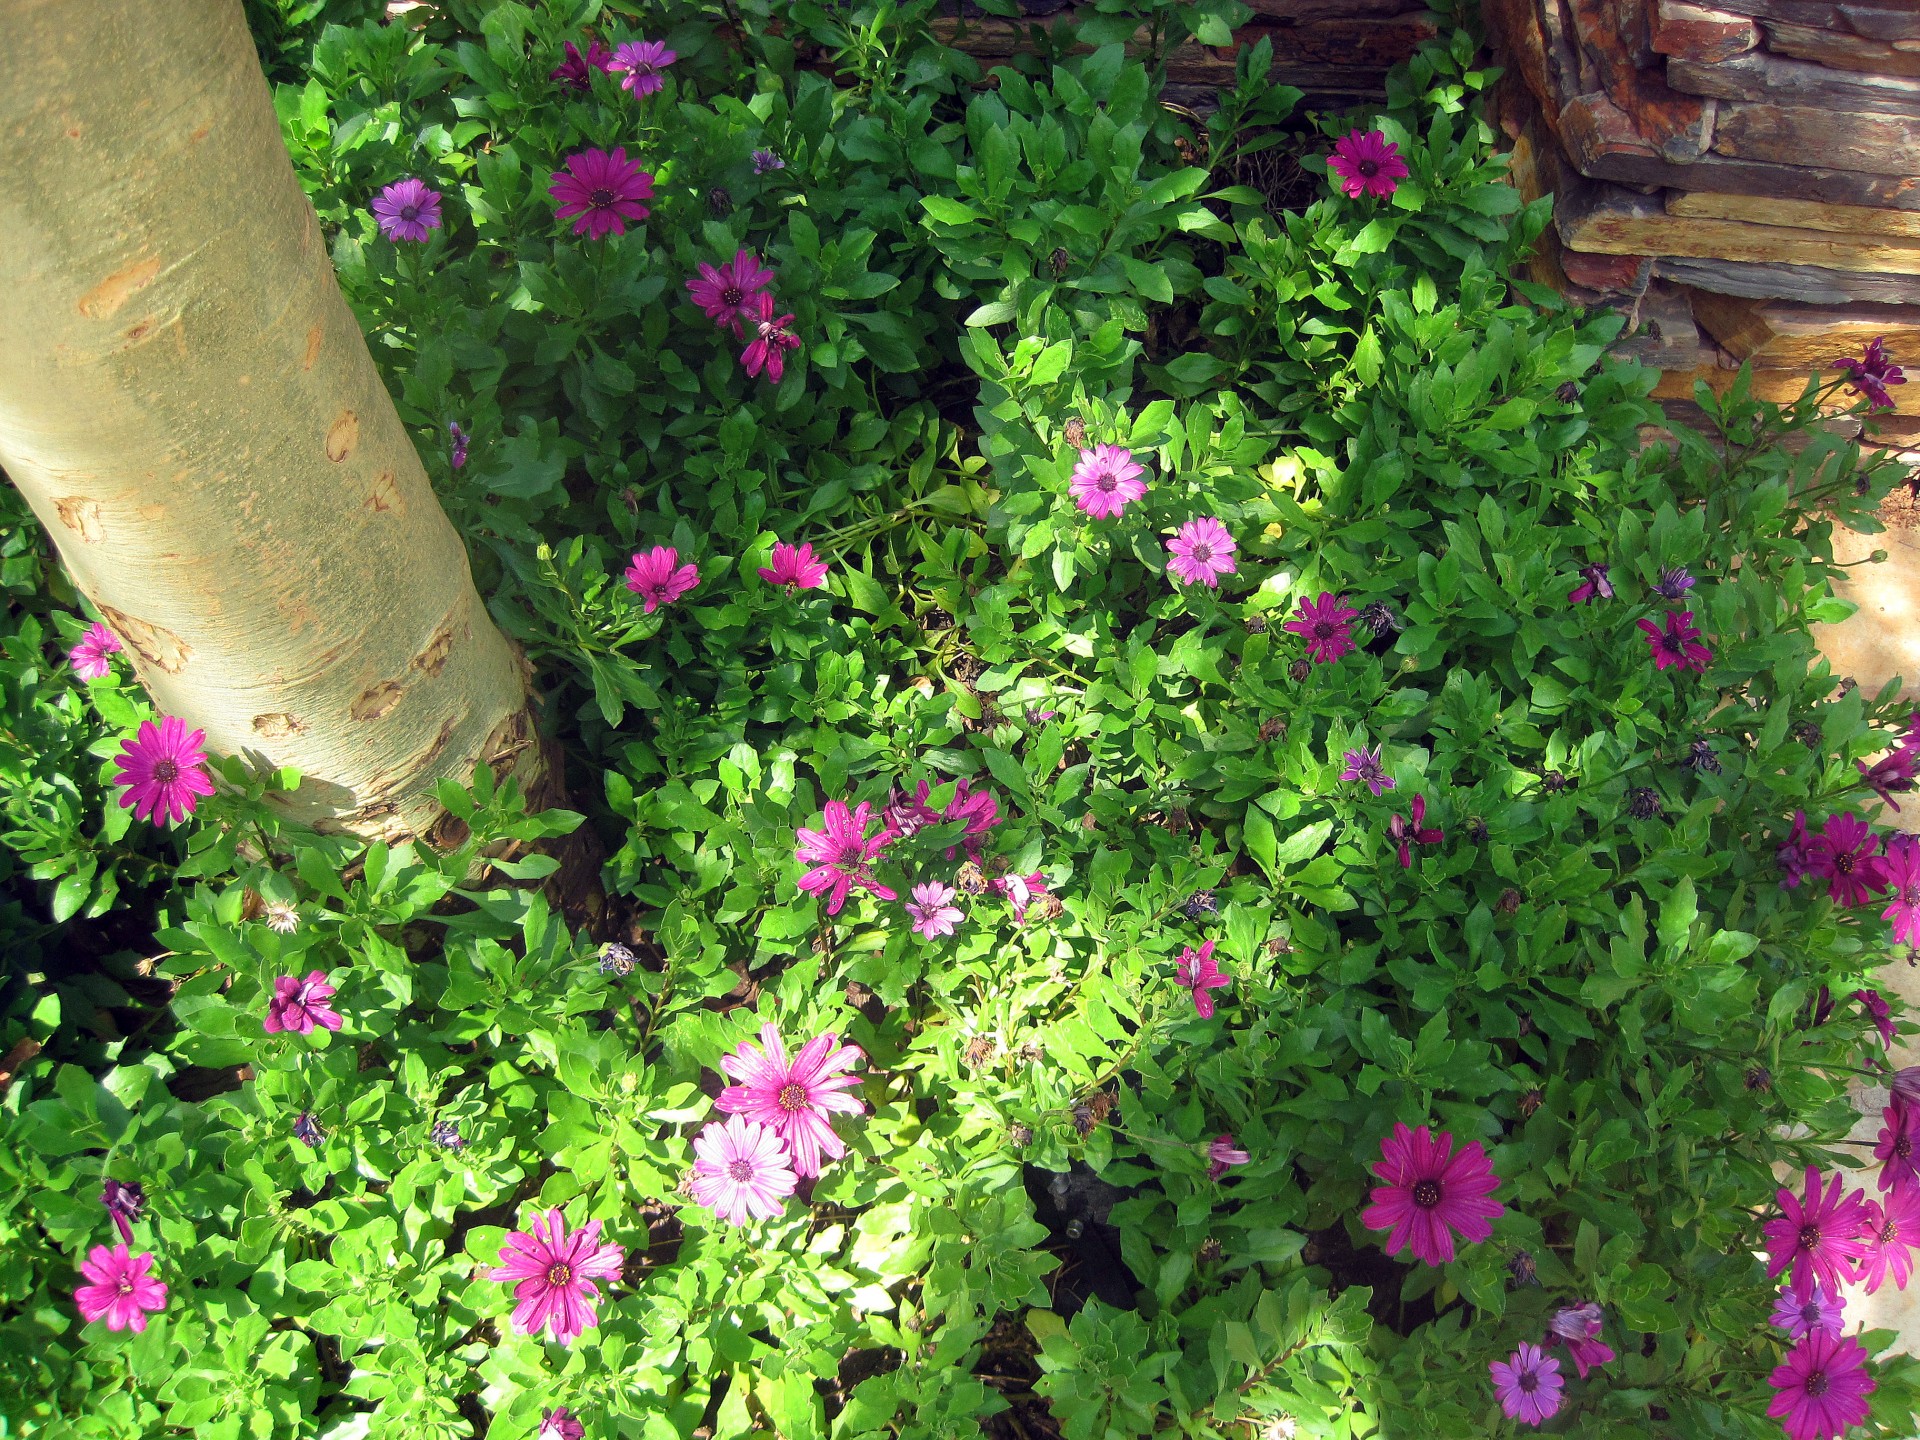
(1208, 844)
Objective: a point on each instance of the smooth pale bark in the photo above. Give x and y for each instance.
(188, 404)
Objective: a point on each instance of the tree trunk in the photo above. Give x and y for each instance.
(190, 408)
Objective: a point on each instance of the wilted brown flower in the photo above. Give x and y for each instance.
(1075, 432)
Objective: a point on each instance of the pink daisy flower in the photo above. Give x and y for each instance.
(1367, 163)
(1791, 856)
(908, 815)
(553, 1274)
(795, 1098)
(1842, 855)
(576, 71)
(406, 210)
(1578, 1328)
(1198, 971)
(1900, 869)
(1816, 1238)
(741, 1170)
(1898, 1147)
(89, 657)
(1527, 1384)
(1871, 374)
(1202, 552)
(1890, 1231)
(978, 808)
(659, 578)
(1106, 481)
(1019, 891)
(1878, 1011)
(1821, 1389)
(558, 1423)
(1364, 765)
(772, 339)
(603, 189)
(1818, 1313)
(1432, 1191)
(1221, 1154)
(123, 1292)
(840, 853)
(1322, 623)
(1892, 774)
(299, 1005)
(641, 61)
(163, 771)
(726, 295)
(795, 567)
(933, 911)
(1406, 833)
(1676, 645)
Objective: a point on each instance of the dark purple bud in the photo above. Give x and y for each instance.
(1199, 904)
(306, 1129)
(1643, 803)
(1521, 1268)
(124, 1201)
(446, 1134)
(1674, 582)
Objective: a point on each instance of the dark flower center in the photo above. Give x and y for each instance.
(1817, 1383)
(1325, 629)
(409, 212)
(732, 295)
(559, 1274)
(1903, 1146)
(1528, 1382)
(1889, 1232)
(601, 198)
(1843, 862)
(1809, 1237)
(1426, 1193)
(740, 1171)
(1810, 1313)
(165, 772)
(1201, 553)
(793, 1098)
(1106, 482)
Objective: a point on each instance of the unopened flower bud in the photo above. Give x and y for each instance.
(1758, 1077)
(1299, 670)
(719, 202)
(1521, 1268)
(1509, 901)
(1020, 1135)
(1209, 1251)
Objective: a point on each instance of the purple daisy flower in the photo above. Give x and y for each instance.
(1364, 765)
(1527, 1384)
(1432, 1192)
(1678, 644)
(1842, 855)
(406, 210)
(1872, 373)
(766, 160)
(641, 61)
(1106, 481)
(1816, 1236)
(604, 189)
(1594, 582)
(1202, 552)
(1818, 1312)
(576, 71)
(1322, 623)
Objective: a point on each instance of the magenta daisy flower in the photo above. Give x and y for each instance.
(1594, 582)
(1432, 1191)
(1819, 1312)
(840, 853)
(641, 61)
(1578, 1328)
(726, 294)
(1106, 481)
(1367, 162)
(1821, 1389)
(1364, 765)
(772, 338)
(559, 1423)
(123, 1291)
(406, 210)
(795, 567)
(604, 190)
(1405, 833)
(1900, 869)
(1791, 856)
(1322, 623)
(795, 1098)
(576, 71)
(1221, 1154)
(1892, 774)
(1527, 1384)
(457, 440)
(1676, 645)
(908, 815)
(1890, 1231)
(1199, 972)
(163, 771)
(659, 578)
(1872, 373)
(553, 1273)
(299, 1005)
(1899, 1149)
(1878, 1011)
(741, 1170)
(1202, 552)
(978, 808)
(89, 657)
(1816, 1238)
(933, 911)
(1842, 855)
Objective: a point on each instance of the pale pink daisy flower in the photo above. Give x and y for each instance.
(795, 1097)
(725, 294)
(89, 657)
(659, 578)
(933, 911)
(741, 1170)
(1106, 481)
(299, 1005)
(163, 771)
(123, 1292)
(1199, 972)
(1221, 1154)
(554, 1271)
(840, 853)
(794, 566)
(772, 338)
(1202, 552)
(641, 61)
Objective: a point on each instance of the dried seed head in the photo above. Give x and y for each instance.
(971, 879)
(1553, 782)
(1476, 830)
(1269, 729)
(1379, 618)
(1521, 1268)
(1059, 261)
(1047, 909)
(1299, 670)
(1759, 1078)
(1020, 1135)
(1808, 734)
(1279, 946)
(1643, 803)
(1075, 432)
(1199, 904)
(719, 202)
(1568, 392)
(1256, 624)
(979, 1050)
(1509, 901)
(1209, 1251)
(616, 959)
(282, 917)
(1700, 757)
(1530, 1102)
